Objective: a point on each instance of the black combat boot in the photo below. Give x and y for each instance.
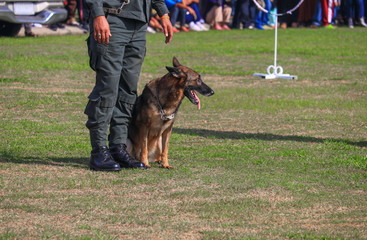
(101, 160)
(120, 155)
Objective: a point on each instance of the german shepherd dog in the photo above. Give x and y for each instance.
(156, 109)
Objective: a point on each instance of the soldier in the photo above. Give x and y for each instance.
(116, 47)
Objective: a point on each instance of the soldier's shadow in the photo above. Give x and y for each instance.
(18, 158)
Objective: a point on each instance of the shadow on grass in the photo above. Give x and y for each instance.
(82, 162)
(8, 157)
(263, 136)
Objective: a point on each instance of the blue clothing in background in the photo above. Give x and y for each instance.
(171, 3)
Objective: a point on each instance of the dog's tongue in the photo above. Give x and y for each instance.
(196, 98)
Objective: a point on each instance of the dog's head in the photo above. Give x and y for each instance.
(192, 82)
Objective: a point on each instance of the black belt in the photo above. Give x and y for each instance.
(116, 10)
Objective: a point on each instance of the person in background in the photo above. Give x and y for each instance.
(262, 18)
(287, 20)
(245, 14)
(178, 9)
(218, 15)
(71, 9)
(358, 7)
(83, 12)
(316, 17)
(195, 24)
(28, 30)
(327, 13)
(273, 11)
(306, 12)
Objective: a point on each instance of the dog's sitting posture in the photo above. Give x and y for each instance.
(156, 109)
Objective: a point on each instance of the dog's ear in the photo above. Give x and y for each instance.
(176, 63)
(176, 72)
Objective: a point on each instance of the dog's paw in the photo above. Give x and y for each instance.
(167, 166)
(148, 165)
(158, 161)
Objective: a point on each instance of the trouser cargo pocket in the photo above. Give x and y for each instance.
(99, 111)
(95, 52)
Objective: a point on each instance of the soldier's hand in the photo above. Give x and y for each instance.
(167, 28)
(102, 32)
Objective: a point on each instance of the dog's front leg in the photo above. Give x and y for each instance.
(144, 150)
(158, 150)
(164, 153)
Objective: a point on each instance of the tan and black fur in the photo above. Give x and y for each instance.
(156, 109)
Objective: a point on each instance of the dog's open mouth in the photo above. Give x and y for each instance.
(196, 98)
(193, 97)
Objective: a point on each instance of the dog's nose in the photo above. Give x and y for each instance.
(211, 93)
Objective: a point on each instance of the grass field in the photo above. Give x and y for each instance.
(262, 159)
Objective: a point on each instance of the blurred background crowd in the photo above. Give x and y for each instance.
(203, 15)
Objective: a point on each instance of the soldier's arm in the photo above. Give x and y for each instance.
(96, 7)
(162, 10)
(160, 7)
(101, 28)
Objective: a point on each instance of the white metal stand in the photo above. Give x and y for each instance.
(274, 71)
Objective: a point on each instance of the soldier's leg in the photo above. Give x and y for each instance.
(104, 94)
(100, 105)
(132, 62)
(106, 60)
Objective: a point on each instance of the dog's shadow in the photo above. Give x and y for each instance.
(263, 136)
(81, 162)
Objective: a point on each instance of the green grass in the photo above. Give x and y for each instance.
(262, 159)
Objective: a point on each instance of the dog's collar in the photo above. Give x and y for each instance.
(163, 116)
